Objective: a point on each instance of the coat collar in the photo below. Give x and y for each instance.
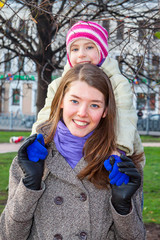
(58, 166)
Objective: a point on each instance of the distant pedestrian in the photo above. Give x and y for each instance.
(16, 139)
(140, 113)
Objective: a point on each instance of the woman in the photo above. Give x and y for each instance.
(68, 196)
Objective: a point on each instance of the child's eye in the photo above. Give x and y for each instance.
(94, 106)
(90, 47)
(74, 49)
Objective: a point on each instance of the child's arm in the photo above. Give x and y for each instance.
(126, 113)
(44, 113)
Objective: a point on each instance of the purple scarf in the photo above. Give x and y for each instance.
(69, 146)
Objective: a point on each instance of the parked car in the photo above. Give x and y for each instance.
(153, 123)
(154, 117)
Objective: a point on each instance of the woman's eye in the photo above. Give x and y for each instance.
(94, 106)
(74, 101)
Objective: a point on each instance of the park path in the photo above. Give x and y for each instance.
(9, 147)
(13, 147)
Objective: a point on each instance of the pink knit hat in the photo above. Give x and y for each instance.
(88, 30)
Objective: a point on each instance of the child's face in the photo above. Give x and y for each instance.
(83, 107)
(84, 51)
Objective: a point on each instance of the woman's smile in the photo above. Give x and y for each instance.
(80, 123)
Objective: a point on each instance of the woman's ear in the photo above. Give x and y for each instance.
(105, 113)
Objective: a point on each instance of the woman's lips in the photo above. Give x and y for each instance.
(80, 123)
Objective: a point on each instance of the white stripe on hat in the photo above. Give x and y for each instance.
(98, 27)
(88, 31)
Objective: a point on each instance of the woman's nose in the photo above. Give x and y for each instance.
(83, 111)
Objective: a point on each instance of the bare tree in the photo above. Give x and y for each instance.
(40, 35)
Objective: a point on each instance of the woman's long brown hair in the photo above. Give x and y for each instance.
(101, 144)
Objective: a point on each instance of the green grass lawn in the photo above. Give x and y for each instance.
(5, 162)
(150, 139)
(151, 183)
(5, 136)
(151, 211)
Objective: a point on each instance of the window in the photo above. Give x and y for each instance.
(15, 97)
(140, 64)
(106, 24)
(23, 28)
(7, 64)
(2, 94)
(142, 30)
(8, 25)
(20, 63)
(141, 101)
(35, 97)
(152, 101)
(120, 30)
(155, 65)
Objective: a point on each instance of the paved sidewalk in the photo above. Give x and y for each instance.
(151, 144)
(9, 147)
(13, 147)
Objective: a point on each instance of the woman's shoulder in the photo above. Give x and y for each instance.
(44, 128)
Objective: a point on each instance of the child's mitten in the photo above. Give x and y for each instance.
(37, 150)
(115, 176)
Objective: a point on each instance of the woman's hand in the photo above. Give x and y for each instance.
(121, 195)
(115, 176)
(33, 171)
(37, 150)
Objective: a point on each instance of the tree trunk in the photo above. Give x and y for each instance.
(43, 82)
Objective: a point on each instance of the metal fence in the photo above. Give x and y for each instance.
(10, 121)
(148, 125)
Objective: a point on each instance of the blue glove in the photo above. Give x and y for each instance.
(37, 150)
(115, 176)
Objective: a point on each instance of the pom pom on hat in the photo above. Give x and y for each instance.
(88, 30)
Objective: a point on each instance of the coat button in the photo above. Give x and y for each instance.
(58, 200)
(83, 197)
(83, 235)
(58, 237)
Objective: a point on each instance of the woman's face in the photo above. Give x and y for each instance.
(83, 107)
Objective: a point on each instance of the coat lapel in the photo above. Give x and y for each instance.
(58, 166)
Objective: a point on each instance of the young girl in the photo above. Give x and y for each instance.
(68, 195)
(87, 42)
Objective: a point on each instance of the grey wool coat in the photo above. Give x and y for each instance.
(66, 208)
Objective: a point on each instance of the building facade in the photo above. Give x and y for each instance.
(18, 77)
